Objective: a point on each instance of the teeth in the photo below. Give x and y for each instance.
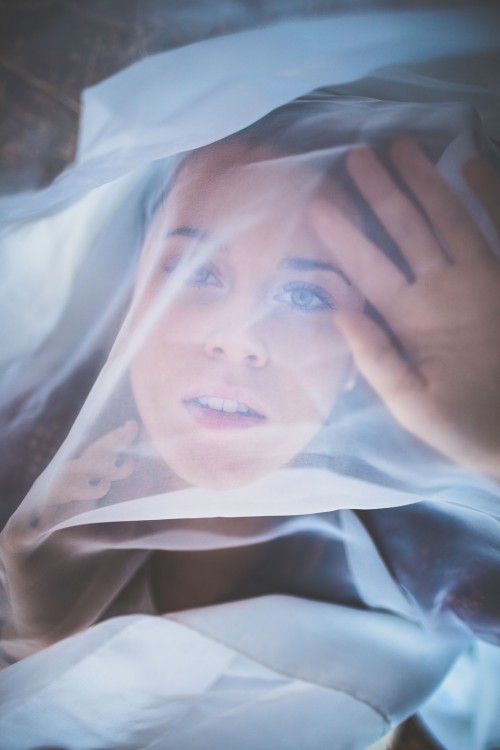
(216, 403)
(223, 404)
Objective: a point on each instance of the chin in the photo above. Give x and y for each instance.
(213, 469)
(222, 464)
(214, 477)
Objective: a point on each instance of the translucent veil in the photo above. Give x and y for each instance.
(228, 468)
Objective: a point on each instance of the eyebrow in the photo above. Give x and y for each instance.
(195, 233)
(189, 232)
(310, 264)
(294, 263)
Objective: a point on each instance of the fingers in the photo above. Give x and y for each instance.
(449, 217)
(380, 363)
(75, 484)
(372, 272)
(420, 234)
(406, 225)
(105, 454)
(89, 477)
(485, 183)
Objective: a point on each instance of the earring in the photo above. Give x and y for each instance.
(351, 381)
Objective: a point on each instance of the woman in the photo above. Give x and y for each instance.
(266, 271)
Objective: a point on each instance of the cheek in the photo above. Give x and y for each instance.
(169, 353)
(155, 367)
(313, 360)
(168, 330)
(148, 383)
(312, 347)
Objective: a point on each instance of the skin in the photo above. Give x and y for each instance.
(243, 318)
(244, 330)
(447, 318)
(240, 327)
(248, 320)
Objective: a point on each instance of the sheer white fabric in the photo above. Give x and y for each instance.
(307, 587)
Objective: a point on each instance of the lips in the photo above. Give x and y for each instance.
(226, 405)
(223, 407)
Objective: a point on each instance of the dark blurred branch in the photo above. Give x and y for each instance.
(44, 86)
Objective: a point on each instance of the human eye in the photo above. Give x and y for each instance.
(305, 297)
(204, 274)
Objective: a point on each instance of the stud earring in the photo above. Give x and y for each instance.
(351, 381)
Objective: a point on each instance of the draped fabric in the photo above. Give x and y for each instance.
(236, 542)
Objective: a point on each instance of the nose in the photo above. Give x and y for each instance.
(238, 344)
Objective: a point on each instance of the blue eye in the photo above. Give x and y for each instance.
(205, 276)
(305, 297)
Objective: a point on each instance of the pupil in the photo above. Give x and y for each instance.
(202, 274)
(302, 297)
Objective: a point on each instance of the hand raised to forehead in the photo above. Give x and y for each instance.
(447, 318)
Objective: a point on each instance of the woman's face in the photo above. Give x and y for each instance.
(240, 360)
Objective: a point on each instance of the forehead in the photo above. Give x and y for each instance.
(216, 185)
(249, 195)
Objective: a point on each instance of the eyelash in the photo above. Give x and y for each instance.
(204, 281)
(172, 266)
(325, 301)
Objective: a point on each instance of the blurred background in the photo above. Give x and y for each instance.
(51, 49)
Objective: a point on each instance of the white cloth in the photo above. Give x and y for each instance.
(304, 675)
(268, 671)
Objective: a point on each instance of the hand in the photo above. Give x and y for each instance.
(447, 391)
(37, 564)
(84, 480)
(89, 476)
